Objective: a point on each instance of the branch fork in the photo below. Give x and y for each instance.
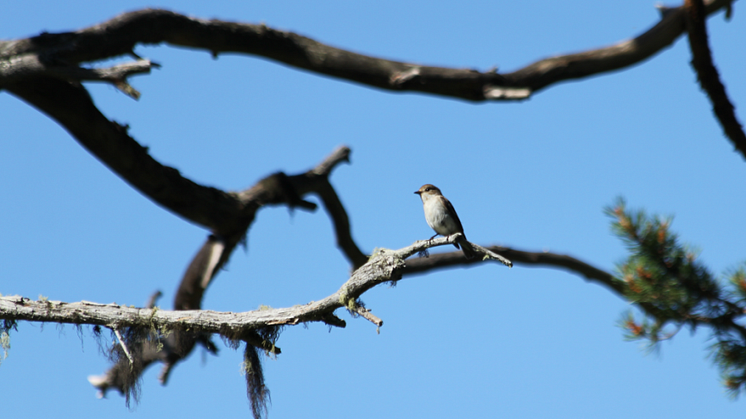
(385, 265)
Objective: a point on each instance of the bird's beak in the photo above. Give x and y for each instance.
(418, 192)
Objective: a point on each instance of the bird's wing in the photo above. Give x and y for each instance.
(452, 211)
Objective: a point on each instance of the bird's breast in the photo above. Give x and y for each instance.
(438, 218)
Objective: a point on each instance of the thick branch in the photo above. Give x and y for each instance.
(386, 265)
(121, 34)
(546, 72)
(71, 106)
(276, 189)
(224, 213)
(708, 76)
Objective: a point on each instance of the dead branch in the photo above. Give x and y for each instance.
(120, 35)
(547, 259)
(708, 76)
(384, 266)
(275, 189)
(71, 106)
(549, 71)
(31, 65)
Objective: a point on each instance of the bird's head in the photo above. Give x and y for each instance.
(428, 190)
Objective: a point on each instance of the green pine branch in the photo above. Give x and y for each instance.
(664, 278)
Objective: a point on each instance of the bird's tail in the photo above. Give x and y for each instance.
(468, 250)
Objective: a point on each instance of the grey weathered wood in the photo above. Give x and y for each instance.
(384, 265)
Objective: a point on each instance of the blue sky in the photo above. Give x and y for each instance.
(477, 342)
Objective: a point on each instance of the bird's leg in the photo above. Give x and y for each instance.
(455, 244)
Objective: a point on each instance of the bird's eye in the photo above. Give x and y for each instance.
(427, 189)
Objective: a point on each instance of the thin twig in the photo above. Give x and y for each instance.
(28, 66)
(365, 313)
(124, 347)
(489, 254)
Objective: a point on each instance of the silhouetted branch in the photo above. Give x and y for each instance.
(71, 106)
(546, 72)
(275, 189)
(341, 226)
(546, 259)
(708, 76)
(120, 35)
(224, 213)
(32, 65)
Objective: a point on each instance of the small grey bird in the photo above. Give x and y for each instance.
(441, 216)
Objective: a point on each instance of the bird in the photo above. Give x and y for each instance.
(441, 216)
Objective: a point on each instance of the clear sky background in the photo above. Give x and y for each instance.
(485, 341)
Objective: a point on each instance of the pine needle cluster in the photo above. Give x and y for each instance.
(664, 278)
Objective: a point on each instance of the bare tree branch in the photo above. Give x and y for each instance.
(545, 259)
(32, 65)
(44, 71)
(71, 106)
(451, 259)
(215, 253)
(384, 266)
(224, 213)
(121, 34)
(708, 76)
(341, 225)
(281, 189)
(490, 255)
(546, 72)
